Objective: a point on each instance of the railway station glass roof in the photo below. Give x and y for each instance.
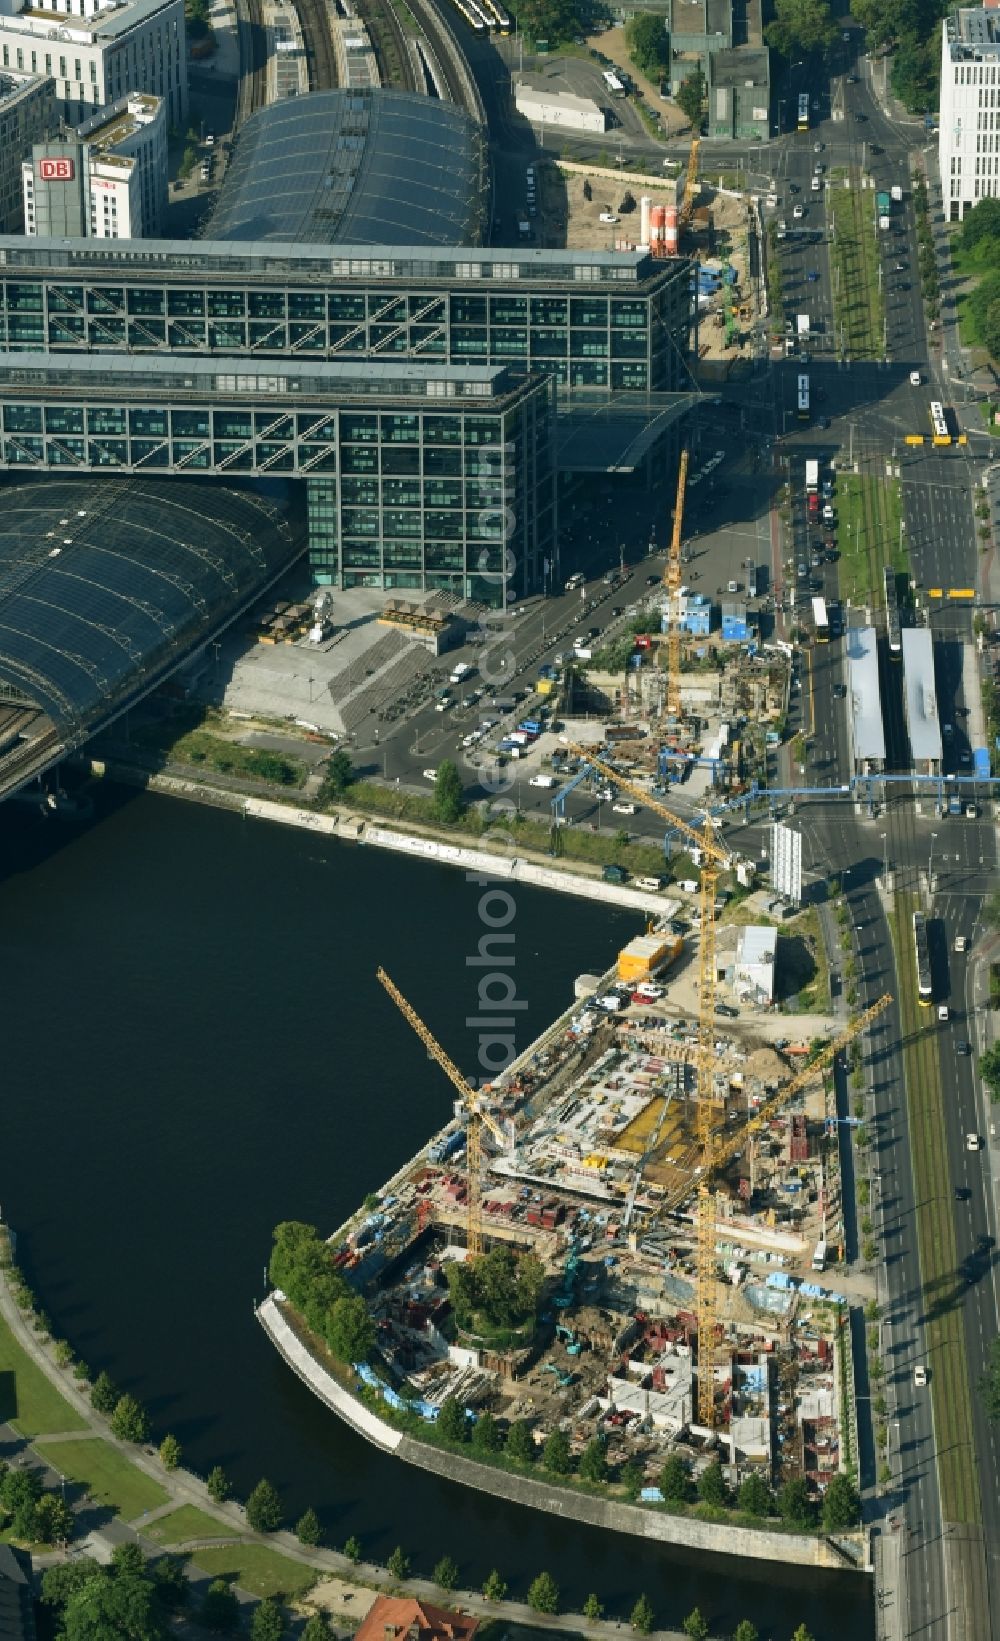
(920, 694)
(104, 583)
(362, 167)
(868, 733)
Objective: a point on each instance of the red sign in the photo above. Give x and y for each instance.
(56, 170)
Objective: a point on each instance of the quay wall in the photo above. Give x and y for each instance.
(612, 1515)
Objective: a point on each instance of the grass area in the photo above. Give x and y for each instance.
(858, 303)
(190, 736)
(943, 1285)
(257, 1569)
(107, 1475)
(28, 1400)
(868, 534)
(185, 1523)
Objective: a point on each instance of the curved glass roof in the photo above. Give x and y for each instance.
(360, 167)
(103, 583)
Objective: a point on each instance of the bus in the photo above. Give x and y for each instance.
(613, 83)
(803, 392)
(939, 423)
(892, 614)
(804, 111)
(472, 14)
(924, 988)
(821, 621)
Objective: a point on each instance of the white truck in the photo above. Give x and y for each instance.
(812, 478)
(460, 671)
(802, 326)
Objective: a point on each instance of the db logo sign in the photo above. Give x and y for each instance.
(56, 170)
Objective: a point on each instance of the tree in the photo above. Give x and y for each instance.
(712, 1487)
(130, 1421)
(104, 1394)
(339, 775)
(105, 1608)
(543, 1594)
(220, 1609)
(317, 1629)
(691, 97)
(307, 1529)
(745, 1631)
(54, 1520)
(755, 1495)
(59, 1583)
(264, 1508)
(989, 1068)
(350, 1331)
(841, 1505)
(445, 1574)
(593, 1461)
(495, 1587)
(128, 1561)
(399, 1563)
(648, 44)
(352, 1550)
(451, 1420)
(486, 1437)
(593, 1608)
(802, 1634)
(520, 1442)
(695, 1625)
(801, 25)
(170, 1582)
(633, 1478)
(642, 1615)
(556, 1454)
(989, 1384)
(448, 801)
(675, 1480)
(219, 1487)
(170, 1452)
(551, 20)
(794, 1503)
(268, 1621)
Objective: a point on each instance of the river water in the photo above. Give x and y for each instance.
(195, 1048)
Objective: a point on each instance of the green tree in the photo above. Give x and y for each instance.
(794, 1503)
(448, 802)
(989, 1384)
(556, 1454)
(675, 1480)
(633, 1478)
(801, 25)
(691, 97)
(399, 1563)
(268, 1621)
(802, 1634)
(352, 1549)
(170, 1452)
(495, 1587)
(59, 1583)
(841, 1505)
(445, 1574)
(695, 1625)
(130, 1421)
(54, 1520)
(350, 1331)
(339, 776)
(642, 1615)
(104, 1394)
(106, 1608)
(220, 1610)
(317, 1629)
(712, 1487)
(745, 1631)
(648, 44)
(989, 1060)
(755, 1495)
(170, 1582)
(264, 1508)
(307, 1529)
(543, 1594)
(486, 1437)
(593, 1608)
(593, 1461)
(128, 1561)
(451, 1420)
(551, 20)
(218, 1484)
(520, 1442)
(301, 1266)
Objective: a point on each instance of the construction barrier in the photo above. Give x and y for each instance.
(935, 592)
(914, 438)
(961, 592)
(941, 438)
(963, 438)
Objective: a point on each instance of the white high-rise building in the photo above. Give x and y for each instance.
(107, 180)
(969, 131)
(98, 51)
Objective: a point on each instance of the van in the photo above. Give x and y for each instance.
(542, 780)
(651, 883)
(574, 582)
(688, 885)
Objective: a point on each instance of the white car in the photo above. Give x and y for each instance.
(943, 1011)
(919, 1375)
(972, 1142)
(797, 212)
(607, 216)
(914, 378)
(430, 774)
(623, 808)
(648, 988)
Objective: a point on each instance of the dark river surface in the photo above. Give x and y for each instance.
(195, 1048)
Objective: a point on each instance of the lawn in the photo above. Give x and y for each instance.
(257, 1569)
(107, 1475)
(188, 1522)
(27, 1398)
(858, 301)
(868, 534)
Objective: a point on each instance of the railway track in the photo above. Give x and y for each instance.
(318, 45)
(389, 43)
(252, 37)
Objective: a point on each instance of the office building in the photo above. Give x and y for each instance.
(105, 180)
(969, 121)
(27, 114)
(97, 54)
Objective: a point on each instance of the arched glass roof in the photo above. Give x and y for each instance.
(358, 167)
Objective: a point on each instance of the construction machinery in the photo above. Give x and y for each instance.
(672, 583)
(476, 1115)
(690, 186)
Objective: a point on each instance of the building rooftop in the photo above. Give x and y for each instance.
(120, 120)
(17, 1622)
(14, 84)
(736, 66)
(554, 99)
(398, 1618)
(920, 694)
(108, 24)
(757, 943)
(867, 730)
(366, 167)
(973, 33)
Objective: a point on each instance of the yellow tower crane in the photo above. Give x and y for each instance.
(672, 583)
(476, 1114)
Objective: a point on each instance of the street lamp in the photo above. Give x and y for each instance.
(885, 854)
(930, 861)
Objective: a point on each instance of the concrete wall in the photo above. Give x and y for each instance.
(321, 1383)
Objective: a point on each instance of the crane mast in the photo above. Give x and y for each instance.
(672, 580)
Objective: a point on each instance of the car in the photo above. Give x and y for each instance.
(649, 988)
(961, 943)
(962, 1193)
(943, 1012)
(861, 118)
(839, 692)
(653, 580)
(727, 1010)
(965, 756)
(831, 555)
(947, 730)
(443, 706)
(853, 79)
(817, 148)
(919, 1375)
(904, 285)
(971, 811)
(823, 423)
(793, 188)
(641, 997)
(732, 586)
(209, 139)
(430, 774)
(875, 148)
(617, 609)
(623, 808)
(802, 570)
(812, 276)
(963, 1048)
(816, 185)
(815, 560)
(915, 378)
(972, 1142)
(798, 212)
(607, 216)
(899, 267)
(819, 168)
(846, 36)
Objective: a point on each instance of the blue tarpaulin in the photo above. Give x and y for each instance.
(981, 761)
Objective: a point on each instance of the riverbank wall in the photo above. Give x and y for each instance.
(613, 1515)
